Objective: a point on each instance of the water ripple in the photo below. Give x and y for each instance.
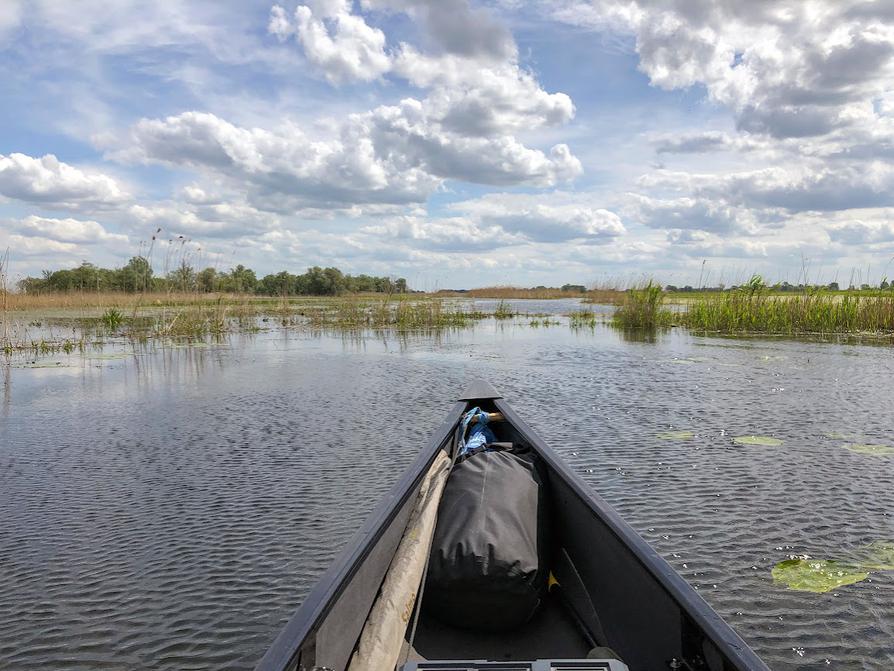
(171, 512)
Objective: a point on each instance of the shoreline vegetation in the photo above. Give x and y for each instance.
(83, 308)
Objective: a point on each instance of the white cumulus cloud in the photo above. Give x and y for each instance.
(338, 43)
(68, 230)
(49, 181)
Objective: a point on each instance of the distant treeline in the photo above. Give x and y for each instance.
(137, 275)
(482, 292)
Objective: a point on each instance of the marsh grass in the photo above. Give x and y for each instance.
(504, 311)
(642, 307)
(399, 314)
(544, 321)
(112, 318)
(102, 300)
(754, 309)
(201, 320)
(583, 319)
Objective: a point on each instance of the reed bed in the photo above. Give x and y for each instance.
(752, 310)
(401, 314)
(642, 307)
(18, 302)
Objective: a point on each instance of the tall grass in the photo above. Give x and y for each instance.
(753, 309)
(401, 314)
(642, 307)
(102, 300)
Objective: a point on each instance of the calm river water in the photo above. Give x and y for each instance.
(168, 508)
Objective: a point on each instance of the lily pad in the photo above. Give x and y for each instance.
(878, 556)
(836, 435)
(874, 450)
(816, 575)
(764, 441)
(676, 435)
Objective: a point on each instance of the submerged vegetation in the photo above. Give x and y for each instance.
(870, 449)
(676, 435)
(763, 441)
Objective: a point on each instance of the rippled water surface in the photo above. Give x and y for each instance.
(168, 508)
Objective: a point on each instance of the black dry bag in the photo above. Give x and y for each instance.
(488, 563)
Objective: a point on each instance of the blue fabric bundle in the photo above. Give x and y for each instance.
(479, 435)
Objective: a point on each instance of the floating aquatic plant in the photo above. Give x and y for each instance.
(676, 435)
(836, 435)
(877, 556)
(764, 441)
(817, 575)
(874, 450)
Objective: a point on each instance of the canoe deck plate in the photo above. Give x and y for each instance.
(538, 665)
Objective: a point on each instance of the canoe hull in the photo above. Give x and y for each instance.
(620, 589)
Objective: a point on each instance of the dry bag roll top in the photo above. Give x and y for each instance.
(488, 565)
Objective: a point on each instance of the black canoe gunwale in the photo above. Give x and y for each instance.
(283, 653)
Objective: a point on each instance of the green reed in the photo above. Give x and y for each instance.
(400, 314)
(583, 319)
(504, 311)
(112, 318)
(642, 307)
(754, 309)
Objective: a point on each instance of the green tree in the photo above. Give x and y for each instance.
(135, 276)
(183, 278)
(240, 280)
(206, 280)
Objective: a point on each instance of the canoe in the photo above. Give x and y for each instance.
(617, 592)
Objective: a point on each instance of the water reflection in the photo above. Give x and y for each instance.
(640, 335)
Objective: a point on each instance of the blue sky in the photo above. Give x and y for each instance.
(456, 144)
